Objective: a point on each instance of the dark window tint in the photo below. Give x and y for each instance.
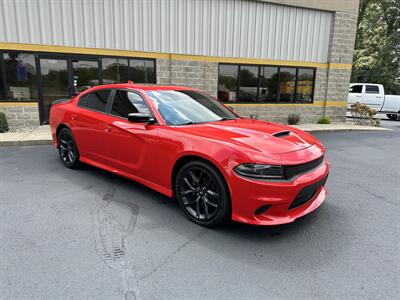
(268, 91)
(305, 78)
(115, 70)
(287, 84)
(96, 100)
(128, 102)
(248, 79)
(371, 89)
(227, 82)
(356, 89)
(142, 70)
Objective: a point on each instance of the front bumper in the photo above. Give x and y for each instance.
(250, 198)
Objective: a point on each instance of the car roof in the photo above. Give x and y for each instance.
(145, 87)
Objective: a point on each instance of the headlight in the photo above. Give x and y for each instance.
(261, 171)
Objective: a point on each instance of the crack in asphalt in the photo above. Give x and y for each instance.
(173, 254)
(111, 226)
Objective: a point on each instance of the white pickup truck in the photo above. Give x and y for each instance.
(373, 95)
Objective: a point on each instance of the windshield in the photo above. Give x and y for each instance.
(188, 107)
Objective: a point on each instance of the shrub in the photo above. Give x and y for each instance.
(293, 119)
(3, 123)
(363, 115)
(324, 120)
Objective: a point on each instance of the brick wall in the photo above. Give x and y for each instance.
(196, 74)
(21, 115)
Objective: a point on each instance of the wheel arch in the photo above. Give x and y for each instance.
(59, 127)
(186, 158)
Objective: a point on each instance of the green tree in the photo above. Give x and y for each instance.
(377, 49)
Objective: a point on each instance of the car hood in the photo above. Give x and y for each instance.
(254, 135)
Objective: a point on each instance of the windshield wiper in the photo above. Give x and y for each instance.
(225, 119)
(187, 123)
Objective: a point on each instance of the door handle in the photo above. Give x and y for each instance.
(358, 96)
(73, 117)
(107, 129)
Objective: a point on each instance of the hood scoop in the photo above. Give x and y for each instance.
(282, 134)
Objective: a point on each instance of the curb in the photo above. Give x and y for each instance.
(344, 130)
(25, 143)
(50, 141)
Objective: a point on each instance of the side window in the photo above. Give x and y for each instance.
(95, 101)
(371, 89)
(128, 102)
(356, 89)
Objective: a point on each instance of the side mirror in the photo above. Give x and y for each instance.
(140, 118)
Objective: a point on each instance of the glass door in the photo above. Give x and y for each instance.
(62, 78)
(85, 73)
(54, 84)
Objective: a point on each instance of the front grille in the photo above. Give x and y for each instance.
(292, 171)
(307, 193)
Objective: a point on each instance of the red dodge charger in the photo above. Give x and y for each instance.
(184, 143)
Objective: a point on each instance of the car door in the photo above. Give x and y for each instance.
(88, 126)
(372, 97)
(355, 94)
(130, 146)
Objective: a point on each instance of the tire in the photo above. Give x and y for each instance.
(393, 117)
(202, 194)
(68, 149)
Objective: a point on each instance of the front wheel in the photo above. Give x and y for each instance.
(393, 117)
(202, 194)
(67, 149)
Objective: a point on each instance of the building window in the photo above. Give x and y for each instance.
(268, 90)
(227, 82)
(248, 83)
(18, 77)
(86, 73)
(142, 70)
(305, 79)
(115, 70)
(268, 84)
(287, 84)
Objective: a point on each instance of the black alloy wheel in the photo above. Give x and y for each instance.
(202, 193)
(67, 149)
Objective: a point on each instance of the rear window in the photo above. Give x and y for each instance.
(372, 89)
(95, 101)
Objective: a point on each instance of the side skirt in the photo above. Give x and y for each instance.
(156, 187)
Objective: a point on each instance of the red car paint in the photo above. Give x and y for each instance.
(147, 153)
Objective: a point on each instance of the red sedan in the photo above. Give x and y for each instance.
(183, 143)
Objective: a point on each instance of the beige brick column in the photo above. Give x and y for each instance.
(340, 59)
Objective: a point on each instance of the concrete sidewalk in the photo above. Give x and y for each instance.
(39, 136)
(42, 136)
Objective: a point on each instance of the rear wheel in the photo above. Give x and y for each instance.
(202, 194)
(67, 149)
(393, 117)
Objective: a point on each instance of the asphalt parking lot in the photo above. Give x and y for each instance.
(88, 234)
